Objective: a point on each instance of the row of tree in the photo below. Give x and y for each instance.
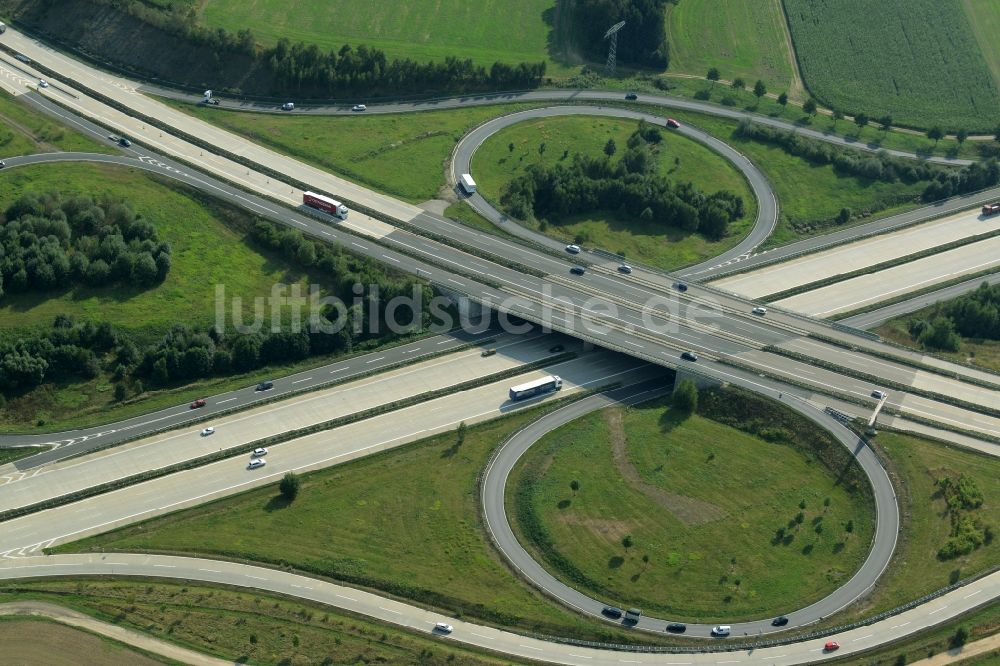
(975, 315)
(50, 241)
(66, 350)
(630, 184)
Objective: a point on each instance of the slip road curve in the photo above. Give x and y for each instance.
(767, 202)
(883, 543)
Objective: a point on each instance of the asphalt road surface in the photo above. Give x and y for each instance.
(878, 317)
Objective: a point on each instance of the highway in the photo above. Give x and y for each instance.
(878, 317)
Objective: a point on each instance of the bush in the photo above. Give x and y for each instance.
(289, 486)
(685, 397)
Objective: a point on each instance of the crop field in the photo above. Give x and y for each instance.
(917, 60)
(485, 31)
(32, 641)
(742, 38)
(984, 17)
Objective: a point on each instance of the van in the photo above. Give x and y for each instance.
(878, 395)
(721, 630)
(467, 183)
(633, 615)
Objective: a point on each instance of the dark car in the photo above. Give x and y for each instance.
(631, 97)
(265, 386)
(680, 286)
(489, 352)
(200, 402)
(557, 348)
(689, 356)
(677, 627)
(612, 612)
(578, 270)
(124, 142)
(779, 621)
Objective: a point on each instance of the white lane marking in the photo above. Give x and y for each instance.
(861, 638)
(343, 597)
(333, 372)
(972, 595)
(411, 351)
(165, 566)
(302, 587)
(359, 245)
(385, 256)
(298, 381)
(210, 570)
(257, 577)
(938, 610)
(489, 638)
(226, 400)
(460, 284)
(580, 656)
(444, 342)
(528, 647)
(375, 359)
(389, 610)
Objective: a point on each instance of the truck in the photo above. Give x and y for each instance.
(325, 204)
(536, 387)
(991, 209)
(467, 183)
(3, 28)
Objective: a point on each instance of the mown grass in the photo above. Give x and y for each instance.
(981, 352)
(708, 552)
(405, 522)
(247, 627)
(916, 570)
(24, 131)
(424, 30)
(915, 59)
(44, 641)
(400, 154)
(652, 242)
(742, 38)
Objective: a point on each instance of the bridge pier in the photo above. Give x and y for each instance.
(700, 380)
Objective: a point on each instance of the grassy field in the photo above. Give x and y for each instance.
(984, 19)
(809, 196)
(422, 29)
(400, 154)
(24, 131)
(39, 641)
(915, 59)
(917, 570)
(701, 509)
(8, 455)
(649, 242)
(239, 626)
(742, 38)
(405, 522)
(208, 249)
(984, 353)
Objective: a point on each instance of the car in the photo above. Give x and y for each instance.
(200, 402)
(556, 348)
(23, 58)
(759, 311)
(578, 270)
(2, 164)
(124, 142)
(721, 630)
(113, 137)
(207, 431)
(489, 352)
(358, 107)
(677, 627)
(265, 386)
(624, 268)
(612, 612)
(672, 124)
(215, 101)
(689, 356)
(831, 646)
(779, 621)
(878, 395)
(42, 83)
(287, 106)
(631, 97)
(680, 286)
(256, 462)
(259, 452)
(573, 249)
(443, 627)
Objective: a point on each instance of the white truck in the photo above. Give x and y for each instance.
(536, 387)
(467, 183)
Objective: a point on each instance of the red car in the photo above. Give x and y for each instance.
(200, 402)
(672, 123)
(831, 646)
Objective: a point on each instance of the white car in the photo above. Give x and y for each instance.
(208, 431)
(256, 462)
(358, 107)
(760, 311)
(721, 630)
(287, 106)
(42, 83)
(625, 268)
(259, 453)
(573, 249)
(443, 627)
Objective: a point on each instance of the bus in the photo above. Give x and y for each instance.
(536, 387)
(325, 204)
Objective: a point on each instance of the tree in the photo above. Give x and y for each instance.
(837, 115)
(783, 99)
(935, 134)
(996, 134)
(574, 485)
(961, 135)
(510, 147)
(120, 392)
(759, 89)
(541, 148)
(686, 397)
(861, 120)
(627, 541)
(289, 486)
(810, 106)
(738, 84)
(610, 148)
(462, 428)
(886, 122)
(845, 216)
(960, 637)
(713, 75)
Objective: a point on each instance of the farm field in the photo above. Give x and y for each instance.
(930, 67)
(37, 641)
(984, 17)
(485, 31)
(682, 159)
(742, 38)
(682, 516)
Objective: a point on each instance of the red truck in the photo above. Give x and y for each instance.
(325, 204)
(991, 209)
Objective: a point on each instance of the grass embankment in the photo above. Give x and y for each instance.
(405, 522)
(930, 70)
(650, 242)
(240, 626)
(8, 455)
(210, 248)
(24, 131)
(693, 518)
(402, 154)
(28, 640)
(981, 352)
